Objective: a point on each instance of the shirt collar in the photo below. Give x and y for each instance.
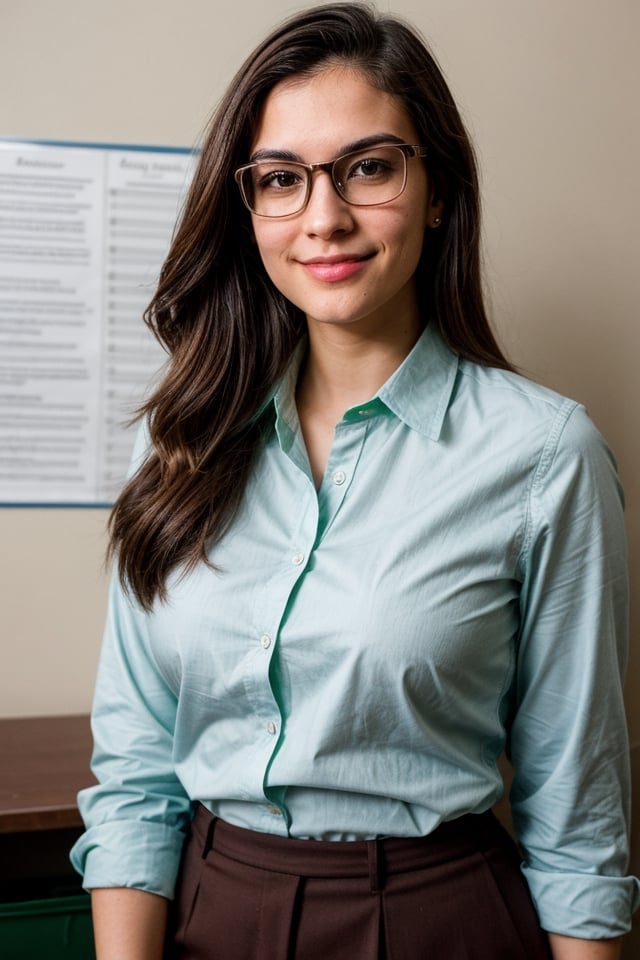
(418, 392)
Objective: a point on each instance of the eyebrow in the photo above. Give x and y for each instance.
(362, 144)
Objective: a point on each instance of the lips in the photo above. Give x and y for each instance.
(333, 269)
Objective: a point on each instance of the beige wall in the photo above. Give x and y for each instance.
(549, 89)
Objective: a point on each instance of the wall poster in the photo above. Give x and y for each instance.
(84, 230)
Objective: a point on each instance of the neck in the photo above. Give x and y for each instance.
(344, 367)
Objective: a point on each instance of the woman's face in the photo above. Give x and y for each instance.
(343, 264)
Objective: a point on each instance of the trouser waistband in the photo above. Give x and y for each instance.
(358, 858)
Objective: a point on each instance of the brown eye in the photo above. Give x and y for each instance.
(279, 179)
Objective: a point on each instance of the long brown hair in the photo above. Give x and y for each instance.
(230, 333)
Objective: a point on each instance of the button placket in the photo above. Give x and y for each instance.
(345, 453)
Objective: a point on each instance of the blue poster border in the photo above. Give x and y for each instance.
(83, 145)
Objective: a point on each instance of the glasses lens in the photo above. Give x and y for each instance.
(376, 175)
(275, 189)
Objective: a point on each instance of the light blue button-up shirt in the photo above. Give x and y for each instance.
(365, 652)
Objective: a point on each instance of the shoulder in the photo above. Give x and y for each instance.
(502, 387)
(525, 404)
(557, 432)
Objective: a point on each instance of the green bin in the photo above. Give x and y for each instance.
(58, 928)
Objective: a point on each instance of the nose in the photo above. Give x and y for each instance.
(326, 212)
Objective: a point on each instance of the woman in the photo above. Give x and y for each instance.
(358, 557)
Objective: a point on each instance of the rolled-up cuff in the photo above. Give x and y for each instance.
(583, 905)
(127, 853)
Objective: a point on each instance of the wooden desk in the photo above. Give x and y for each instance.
(44, 761)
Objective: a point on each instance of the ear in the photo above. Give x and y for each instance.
(435, 211)
(436, 201)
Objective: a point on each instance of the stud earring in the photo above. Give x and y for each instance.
(437, 221)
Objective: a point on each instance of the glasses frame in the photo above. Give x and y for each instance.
(408, 151)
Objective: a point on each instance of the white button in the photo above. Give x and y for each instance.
(297, 558)
(265, 642)
(271, 727)
(339, 477)
(363, 413)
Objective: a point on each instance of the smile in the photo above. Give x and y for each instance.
(334, 269)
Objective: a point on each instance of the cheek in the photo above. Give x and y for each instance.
(406, 239)
(272, 240)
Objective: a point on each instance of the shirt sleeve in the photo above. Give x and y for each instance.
(136, 817)
(568, 742)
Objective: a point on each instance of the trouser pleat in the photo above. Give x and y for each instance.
(456, 895)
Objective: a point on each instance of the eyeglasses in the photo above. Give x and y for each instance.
(364, 178)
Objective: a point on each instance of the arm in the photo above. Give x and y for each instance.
(568, 740)
(570, 948)
(137, 816)
(128, 924)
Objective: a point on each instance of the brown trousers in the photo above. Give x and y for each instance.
(457, 894)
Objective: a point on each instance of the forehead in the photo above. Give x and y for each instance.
(315, 116)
